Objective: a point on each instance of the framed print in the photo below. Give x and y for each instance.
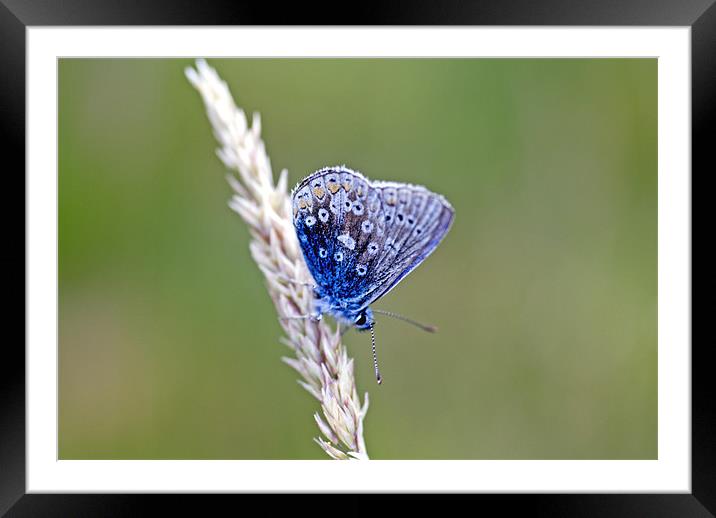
(523, 183)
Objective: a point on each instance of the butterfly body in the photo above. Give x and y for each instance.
(361, 238)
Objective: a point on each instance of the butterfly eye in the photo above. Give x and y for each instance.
(361, 320)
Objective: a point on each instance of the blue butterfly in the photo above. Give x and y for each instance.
(361, 238)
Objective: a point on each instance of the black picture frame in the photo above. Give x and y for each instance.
(700, 15)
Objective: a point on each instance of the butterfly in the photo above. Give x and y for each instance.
(360, 238)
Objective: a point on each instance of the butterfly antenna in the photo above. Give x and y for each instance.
(424, 327)
(378, 377)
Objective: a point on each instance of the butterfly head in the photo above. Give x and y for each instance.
(363, 320)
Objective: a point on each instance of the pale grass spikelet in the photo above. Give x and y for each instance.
(320, 358)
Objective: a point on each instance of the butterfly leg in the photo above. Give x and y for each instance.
(314, 317)
(291, 281)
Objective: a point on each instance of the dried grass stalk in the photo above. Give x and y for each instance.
(265, 206)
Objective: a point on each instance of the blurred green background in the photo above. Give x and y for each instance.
(545, 289)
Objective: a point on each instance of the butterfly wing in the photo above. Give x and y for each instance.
(332, 220)
(415, 221)
(359, 238)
